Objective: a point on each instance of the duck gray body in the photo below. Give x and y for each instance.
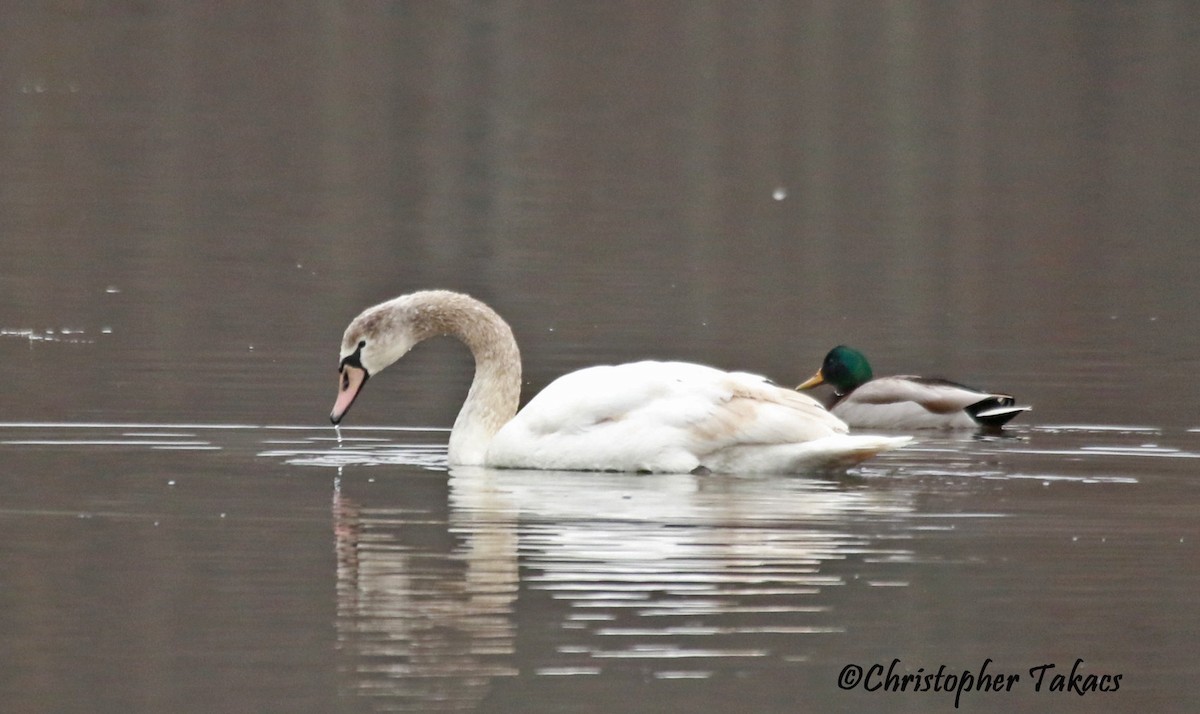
(906, 402)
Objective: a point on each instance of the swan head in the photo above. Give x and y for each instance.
(375, 339)
(844, 367)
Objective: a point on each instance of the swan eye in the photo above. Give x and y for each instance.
(352, 360)
(362, 344)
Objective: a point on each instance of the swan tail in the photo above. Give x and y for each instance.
(828, 453)
(847, 450)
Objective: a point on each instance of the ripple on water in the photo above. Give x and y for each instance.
(1056, 448)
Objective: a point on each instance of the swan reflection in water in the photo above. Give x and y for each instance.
(424, 604)
(671, 576)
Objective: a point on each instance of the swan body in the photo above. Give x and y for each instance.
(905, 401)
(670, 417)
(642, 416)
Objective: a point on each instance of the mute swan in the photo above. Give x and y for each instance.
(904, 401)
(644, 416)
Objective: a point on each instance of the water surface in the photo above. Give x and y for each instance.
(311, 573)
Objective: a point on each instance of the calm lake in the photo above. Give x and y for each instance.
(195, 199)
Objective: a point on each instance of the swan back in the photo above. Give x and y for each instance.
(662, 416)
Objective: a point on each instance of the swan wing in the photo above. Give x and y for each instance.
(662, 416)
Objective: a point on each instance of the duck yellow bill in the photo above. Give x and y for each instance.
(350, 382)
(813, 381)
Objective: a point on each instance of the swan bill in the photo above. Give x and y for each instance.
(350, 382)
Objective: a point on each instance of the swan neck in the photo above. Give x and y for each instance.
(496, 388)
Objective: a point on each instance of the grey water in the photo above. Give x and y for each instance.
(195, 200)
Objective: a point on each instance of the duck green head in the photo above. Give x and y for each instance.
(844, 367)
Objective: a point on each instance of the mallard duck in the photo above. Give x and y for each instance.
(643, 416)
(905, 401)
